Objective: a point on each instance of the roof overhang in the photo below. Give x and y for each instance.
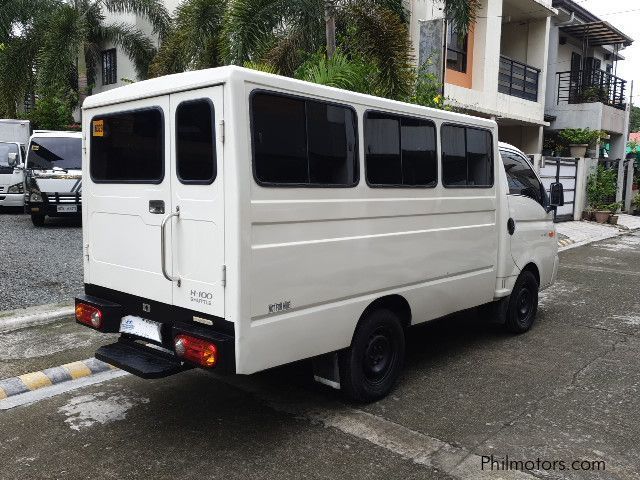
(597, 34)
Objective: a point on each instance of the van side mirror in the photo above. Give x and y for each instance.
(556, 194)
(12, 159)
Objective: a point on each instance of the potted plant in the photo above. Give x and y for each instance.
(601, 189)
(613, 209)
(587, 214)
(579, 140)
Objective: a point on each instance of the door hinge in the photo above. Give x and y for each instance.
(224, 275)
(86, 251)
(221, 130)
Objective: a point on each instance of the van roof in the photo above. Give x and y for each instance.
(215, 76)
(54, 133)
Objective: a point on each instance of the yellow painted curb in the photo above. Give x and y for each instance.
(77, 369)
(35, 380)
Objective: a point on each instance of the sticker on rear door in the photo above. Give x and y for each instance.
(98, 128)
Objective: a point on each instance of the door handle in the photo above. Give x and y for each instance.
(511, 226)
(163, 244)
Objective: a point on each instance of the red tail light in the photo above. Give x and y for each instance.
(89, 315)
(196, 350)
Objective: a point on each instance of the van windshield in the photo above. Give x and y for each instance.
(5, 150)
(48, 152)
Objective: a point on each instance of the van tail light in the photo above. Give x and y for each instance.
(196, 350)
(89, 315)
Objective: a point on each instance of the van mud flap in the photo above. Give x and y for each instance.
(140, 360)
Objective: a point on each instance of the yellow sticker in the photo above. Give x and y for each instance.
(98, 128)
(35, 147)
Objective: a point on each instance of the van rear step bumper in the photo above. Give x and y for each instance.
(140, 360)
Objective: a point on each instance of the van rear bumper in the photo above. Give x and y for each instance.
(133, 355)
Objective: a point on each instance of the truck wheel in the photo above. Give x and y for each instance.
(370, 367)
(38, 220)
(523, 303)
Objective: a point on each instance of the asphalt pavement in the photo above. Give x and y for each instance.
(40, 265)
(565, 392)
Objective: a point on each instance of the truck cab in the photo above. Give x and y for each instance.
(12, 156)
(53, 175)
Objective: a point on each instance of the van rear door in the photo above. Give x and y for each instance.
(197, 238)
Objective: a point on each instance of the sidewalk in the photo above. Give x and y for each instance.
(574, 234)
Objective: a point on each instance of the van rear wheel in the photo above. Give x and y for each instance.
(523, 303)
(37, 220)
(370, 367)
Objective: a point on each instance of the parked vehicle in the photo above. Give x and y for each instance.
(14, 135)
(239, 220)
(53, 182)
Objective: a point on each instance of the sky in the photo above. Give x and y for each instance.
(625, 16)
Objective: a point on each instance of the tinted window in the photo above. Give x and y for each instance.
(48, 152)
(5, 150)
(195, 142)
(467, 157)
(303, 142)
(127, 147)
(522, 180)
(400, 151)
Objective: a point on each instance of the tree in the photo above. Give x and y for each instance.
(634, 119)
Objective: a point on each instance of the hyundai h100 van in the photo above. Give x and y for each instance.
(53, 181)
(236, 220)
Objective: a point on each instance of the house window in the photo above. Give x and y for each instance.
(456, 49)
(109, 67)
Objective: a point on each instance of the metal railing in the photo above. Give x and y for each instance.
(518, 79)
(591, 86)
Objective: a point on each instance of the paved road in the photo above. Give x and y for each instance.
(39, 265)
(567, 390)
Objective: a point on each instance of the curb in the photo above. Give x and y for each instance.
(51, 376)
(27, 317)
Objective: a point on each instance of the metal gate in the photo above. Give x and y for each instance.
(564, 171)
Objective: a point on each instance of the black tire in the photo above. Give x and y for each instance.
(370, 367)
(523, 303)
(38, 220)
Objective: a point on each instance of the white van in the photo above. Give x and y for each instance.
(11, 174)
(239, 220)
(53, 180)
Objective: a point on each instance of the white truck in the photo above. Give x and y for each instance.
(53, 180)
(236, 220)
(14, 135)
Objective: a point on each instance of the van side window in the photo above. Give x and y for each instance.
(127, 147)
(521, 177)
(303, 142)
(195, 142)
(400, 151)
(467, 157)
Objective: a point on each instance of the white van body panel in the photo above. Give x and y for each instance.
(302, 264)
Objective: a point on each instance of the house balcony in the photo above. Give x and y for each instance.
(591, 86)
(518, 79)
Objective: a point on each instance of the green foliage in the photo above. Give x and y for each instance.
(260, 66)
(636, 201)
(580, 136)
(194, 40)
(52, 113)
(634, 119)
(462, 13)
(601, 188)
(634, 147)
(428, 91)
(339, 71)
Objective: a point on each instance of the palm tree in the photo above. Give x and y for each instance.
(76, 32)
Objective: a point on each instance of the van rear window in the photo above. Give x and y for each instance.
(127, 147)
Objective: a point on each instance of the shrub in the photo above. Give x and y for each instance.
(580, 136)
(601, 188)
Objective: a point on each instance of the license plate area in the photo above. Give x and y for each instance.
(141, 327)
(67, 208)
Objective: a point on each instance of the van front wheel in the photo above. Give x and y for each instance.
(37, 220)
(523, 303)
(370, 367)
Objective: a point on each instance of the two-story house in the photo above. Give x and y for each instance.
(498, 69)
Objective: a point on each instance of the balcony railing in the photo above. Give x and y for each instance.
(518, 79)
(591, 86)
